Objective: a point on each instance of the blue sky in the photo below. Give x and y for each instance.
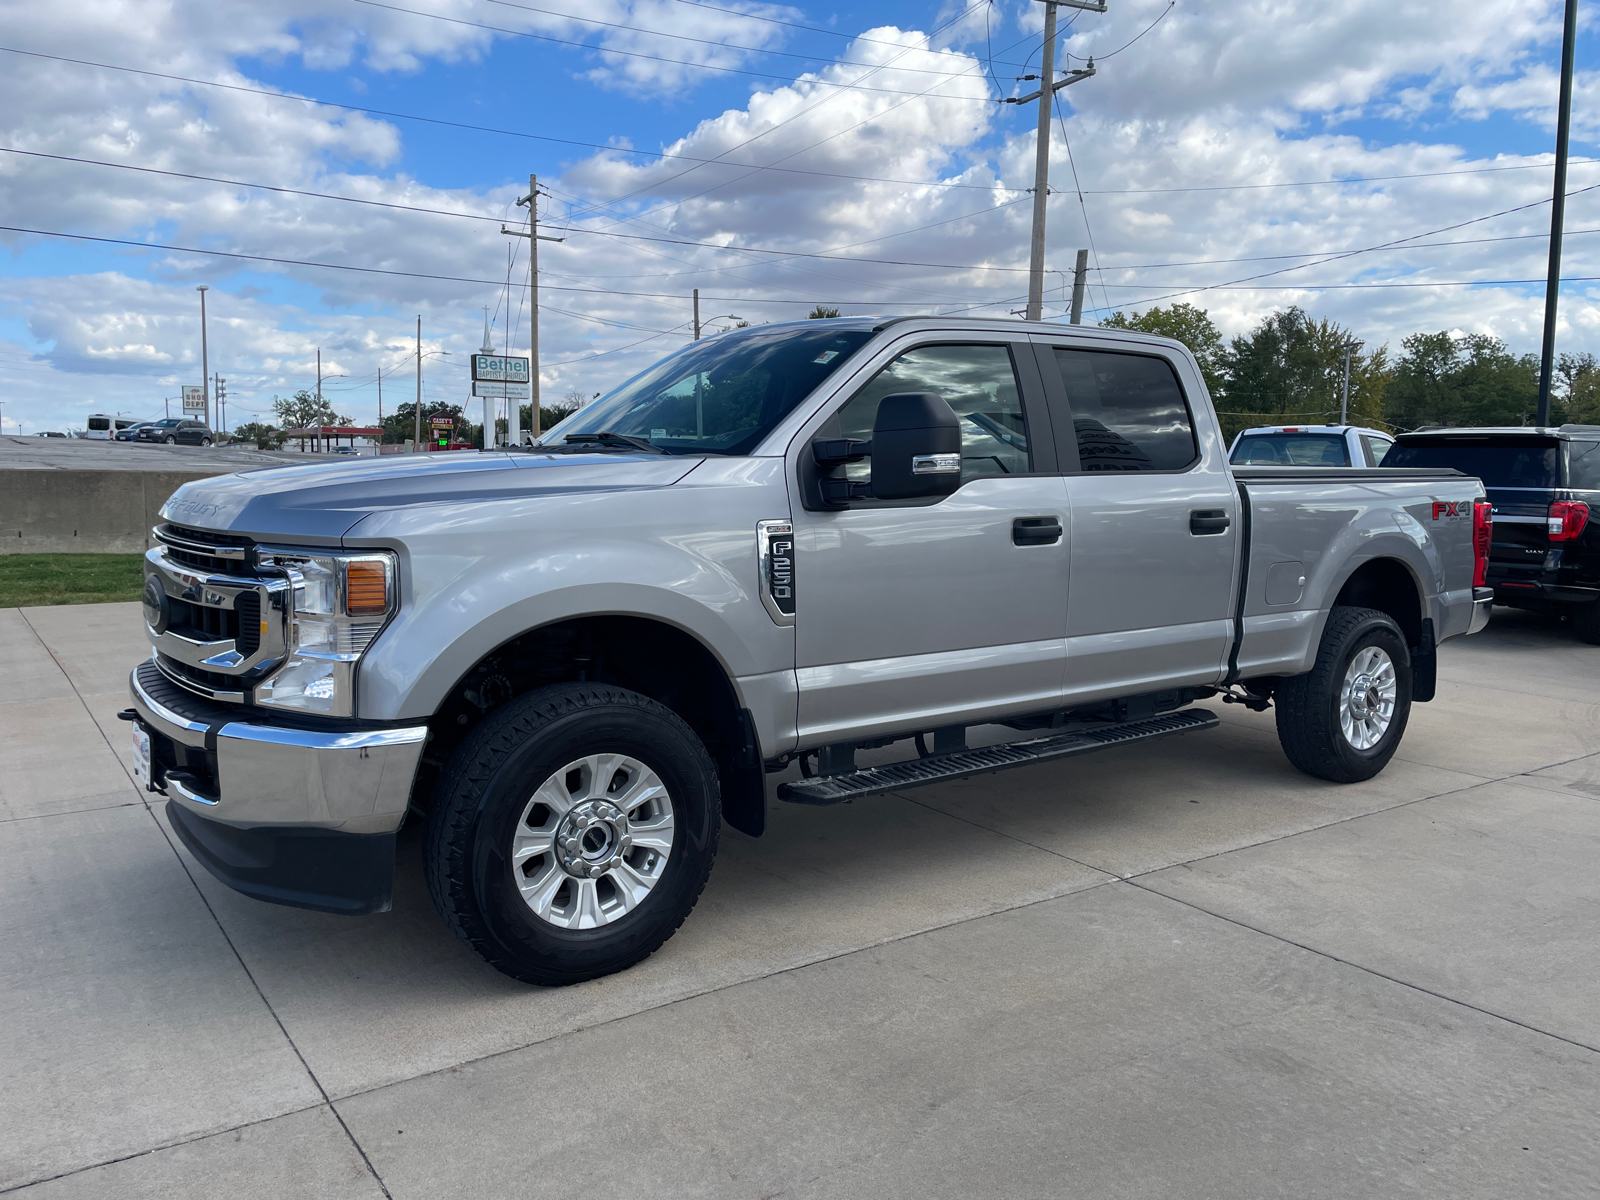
(1218, 100)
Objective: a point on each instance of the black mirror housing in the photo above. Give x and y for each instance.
(916, 447)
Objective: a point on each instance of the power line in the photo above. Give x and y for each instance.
(676, 62)
(682, 37)
(677, 298)
(391, 114)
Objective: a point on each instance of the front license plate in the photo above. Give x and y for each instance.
(141, 754)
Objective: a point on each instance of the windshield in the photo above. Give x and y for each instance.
(167, 424)
(719, 396)
(1292, 450)
(1503, 462)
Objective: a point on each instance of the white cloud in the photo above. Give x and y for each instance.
(1223, 98)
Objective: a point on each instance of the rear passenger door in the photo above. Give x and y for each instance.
(1155, 522)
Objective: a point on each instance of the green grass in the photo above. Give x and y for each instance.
(27, 579)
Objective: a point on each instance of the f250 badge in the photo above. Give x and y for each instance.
(1452, 508)
(775, 542)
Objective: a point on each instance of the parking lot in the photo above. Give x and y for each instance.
(1175, 970)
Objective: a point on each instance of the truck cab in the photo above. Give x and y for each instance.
(1310, 446)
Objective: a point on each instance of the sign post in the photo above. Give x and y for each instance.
(499, 377)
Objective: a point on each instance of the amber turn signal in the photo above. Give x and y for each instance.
(366, 589)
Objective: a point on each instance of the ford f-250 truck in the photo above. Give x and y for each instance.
(574, 661)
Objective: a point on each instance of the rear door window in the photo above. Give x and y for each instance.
(1583, 464)
(1128, 411)
(1291, 450)
(1501, 462)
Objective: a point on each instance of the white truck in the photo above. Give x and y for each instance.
(573, 662)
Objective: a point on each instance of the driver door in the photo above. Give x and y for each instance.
(918, 614)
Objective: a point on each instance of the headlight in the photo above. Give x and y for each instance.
(341, 603)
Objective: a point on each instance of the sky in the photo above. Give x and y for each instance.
(334, 170)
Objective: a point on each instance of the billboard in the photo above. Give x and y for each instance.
(194, 399)
(502, 391)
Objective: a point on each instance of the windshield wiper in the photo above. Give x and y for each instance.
(608, 437)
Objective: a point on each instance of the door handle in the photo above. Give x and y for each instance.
(1035, 531)
(1208, 520)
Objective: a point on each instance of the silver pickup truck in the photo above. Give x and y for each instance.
(776, 548)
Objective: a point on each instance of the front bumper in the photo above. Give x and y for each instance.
(1482, 607)
(283, 812)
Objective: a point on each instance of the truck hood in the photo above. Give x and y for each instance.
(322, 501)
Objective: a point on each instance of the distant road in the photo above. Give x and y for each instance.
(80, 454)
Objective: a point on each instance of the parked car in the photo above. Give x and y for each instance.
(787, 542)
(1310, 446)
(50, 433)
(183, 431)
(130, 433)
(1545, 487)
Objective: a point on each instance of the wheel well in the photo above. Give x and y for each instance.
(1386, 584)
(643, 655)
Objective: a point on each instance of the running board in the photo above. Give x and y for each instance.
(938, 768)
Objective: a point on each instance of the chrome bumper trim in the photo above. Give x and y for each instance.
(1482, 606)
(356, 781)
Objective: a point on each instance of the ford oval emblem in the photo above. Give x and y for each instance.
(154, 600)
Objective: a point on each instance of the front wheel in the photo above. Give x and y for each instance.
(1343, 719)
(572, 832)
(171, 441)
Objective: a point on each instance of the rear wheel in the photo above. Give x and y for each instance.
(1343, 719)
(205, 441)
(1586, 621)
(572, 833)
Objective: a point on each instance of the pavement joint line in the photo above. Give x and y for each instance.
(1373, 971)
(238, 957)
(71, 812)
(172, 1145)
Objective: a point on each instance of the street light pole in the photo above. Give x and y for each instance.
(1558, 211)
(416, 444)
(205, 359)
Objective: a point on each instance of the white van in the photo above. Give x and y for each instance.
(103, 427)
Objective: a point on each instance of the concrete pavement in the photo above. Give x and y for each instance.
(1180, 970)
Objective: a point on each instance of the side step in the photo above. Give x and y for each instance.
(870, 781)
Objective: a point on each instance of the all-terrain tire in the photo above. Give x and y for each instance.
(1308, 706)
(489, 782)
(1586, 621)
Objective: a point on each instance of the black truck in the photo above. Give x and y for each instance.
(1544, 484)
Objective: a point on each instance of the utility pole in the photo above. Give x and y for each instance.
(534, 238)
(205, 361)
(222, 403)
(1080, 276)
(380, 404)
(1558, 212)
(1048, 87)
(416, 445)
(697, 314)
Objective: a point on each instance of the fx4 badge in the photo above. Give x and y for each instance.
(1452, 508)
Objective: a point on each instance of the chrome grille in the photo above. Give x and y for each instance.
(224, 553)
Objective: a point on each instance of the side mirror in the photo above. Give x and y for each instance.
(916, 447)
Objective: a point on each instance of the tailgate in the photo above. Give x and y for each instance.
(1521, 528)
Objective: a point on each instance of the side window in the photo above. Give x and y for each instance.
(1376, 448)
(1584, 465)
(1128, 411)
(979, 382)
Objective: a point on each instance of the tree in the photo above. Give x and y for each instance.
(304, 411)
(1289, 369)
(1579, 379)
(266, 437)
(820, 313)
(1185, 323)
(400, 426)
(1471, 379)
